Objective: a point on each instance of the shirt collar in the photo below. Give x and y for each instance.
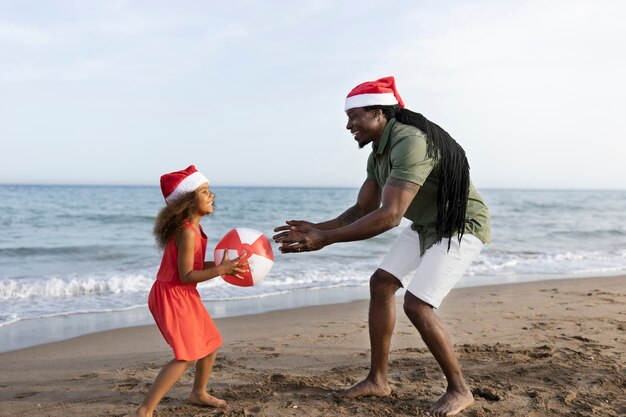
(384, 138)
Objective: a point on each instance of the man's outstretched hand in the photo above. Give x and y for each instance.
(299, 236)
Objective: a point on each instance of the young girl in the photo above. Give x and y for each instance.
(174, 301)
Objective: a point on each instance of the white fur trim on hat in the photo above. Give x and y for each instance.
(362, 100)
(189, 184)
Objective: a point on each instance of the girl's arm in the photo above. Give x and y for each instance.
(185, 240)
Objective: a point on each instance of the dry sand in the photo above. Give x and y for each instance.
(552, 348)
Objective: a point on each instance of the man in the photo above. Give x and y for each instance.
(415, 170)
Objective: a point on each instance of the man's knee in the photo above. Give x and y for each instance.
(382, 282)
(415, 308)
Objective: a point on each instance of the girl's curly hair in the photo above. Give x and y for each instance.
(172, 216)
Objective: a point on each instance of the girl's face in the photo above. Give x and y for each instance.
(205, 199)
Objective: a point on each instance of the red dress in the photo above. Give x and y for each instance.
(177, 308)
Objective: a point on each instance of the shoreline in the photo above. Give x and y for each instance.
(34, 332)
(534, 349)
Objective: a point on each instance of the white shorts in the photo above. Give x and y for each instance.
(437, 271)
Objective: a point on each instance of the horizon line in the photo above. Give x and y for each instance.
(498, 188)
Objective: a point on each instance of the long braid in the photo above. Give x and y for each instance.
(451, 165)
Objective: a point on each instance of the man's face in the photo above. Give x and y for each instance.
(366, 126)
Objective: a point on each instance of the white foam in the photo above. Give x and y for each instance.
(27, 298)
(11, 289)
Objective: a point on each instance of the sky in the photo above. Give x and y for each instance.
(252, 92)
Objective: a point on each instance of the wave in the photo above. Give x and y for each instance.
(27, 299)
(99, 252)
(58, 250)
(6, 319)
(11, 289)
(527, 263)
(308, 275)
(55, 287)
(13, 318)
(109, 219)
(588, 234)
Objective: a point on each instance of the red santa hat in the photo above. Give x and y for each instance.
(175, 184)
(381, 92)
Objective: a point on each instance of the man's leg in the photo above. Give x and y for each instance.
(458, 395)
(382, 319)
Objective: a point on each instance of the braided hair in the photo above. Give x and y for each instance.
(451, 165)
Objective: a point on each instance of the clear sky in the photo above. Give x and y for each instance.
(119, 92)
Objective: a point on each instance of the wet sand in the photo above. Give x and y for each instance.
(551, 348)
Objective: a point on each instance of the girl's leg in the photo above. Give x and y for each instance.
(163, 382)
(199, 395)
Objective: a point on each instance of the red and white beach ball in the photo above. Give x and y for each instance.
(259, 254)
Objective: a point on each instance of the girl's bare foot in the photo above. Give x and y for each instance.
(141, 412)
(207, 400)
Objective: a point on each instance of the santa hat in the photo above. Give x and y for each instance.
(175, 184)
(381, 92)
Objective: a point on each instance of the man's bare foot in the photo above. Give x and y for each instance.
(451, 403)
(207, 400)
(364, 388)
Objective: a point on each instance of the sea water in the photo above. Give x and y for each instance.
(75, 250)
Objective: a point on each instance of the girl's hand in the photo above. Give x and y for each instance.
(237, 267)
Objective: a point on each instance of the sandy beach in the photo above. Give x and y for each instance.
(551, 348)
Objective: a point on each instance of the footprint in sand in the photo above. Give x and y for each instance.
(584, 339)
(332, 335)
(543, 351)
(251, 412)
(85, 376)
(130, 384)
(266, 348)
(21, 395)
(277, 378)
(487, 393)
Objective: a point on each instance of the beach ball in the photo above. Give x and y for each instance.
(259, 254)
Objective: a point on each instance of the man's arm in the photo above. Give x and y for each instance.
(396, 198)
(397, 195)
(368, 200)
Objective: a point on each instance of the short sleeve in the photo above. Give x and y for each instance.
(409, 159)
(370, 167)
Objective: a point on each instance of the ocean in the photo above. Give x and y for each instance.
(82, 255)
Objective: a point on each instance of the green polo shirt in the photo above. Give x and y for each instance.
(401, 154)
